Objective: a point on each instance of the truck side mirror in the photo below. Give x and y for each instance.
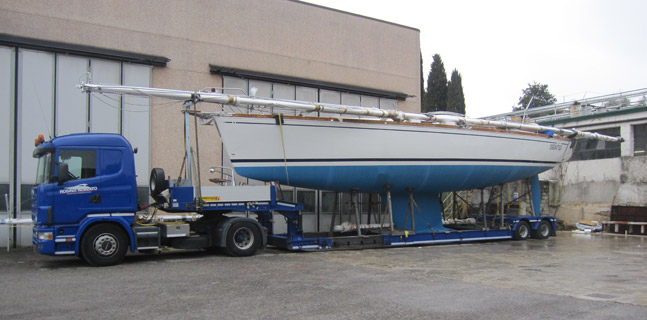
(63, 173)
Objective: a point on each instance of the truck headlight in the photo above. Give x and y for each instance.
(45, 236)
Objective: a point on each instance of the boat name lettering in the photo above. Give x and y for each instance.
(556, 146)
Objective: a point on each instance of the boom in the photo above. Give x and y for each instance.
(305, 106)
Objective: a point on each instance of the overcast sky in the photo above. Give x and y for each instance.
(578, 48)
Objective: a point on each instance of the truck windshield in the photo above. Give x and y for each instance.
(44, 171)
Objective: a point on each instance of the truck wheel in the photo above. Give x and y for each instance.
(243, 239)
(522, 231)
(543, 230)
(104, 245)
(157, 181)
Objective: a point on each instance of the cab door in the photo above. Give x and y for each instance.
(119, 187)
(80, 195)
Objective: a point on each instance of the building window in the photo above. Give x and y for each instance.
(591, 149)
(275, 90)
(640, 140)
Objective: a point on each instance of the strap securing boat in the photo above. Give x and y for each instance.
(279, 121)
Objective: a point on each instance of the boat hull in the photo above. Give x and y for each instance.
(369, 155)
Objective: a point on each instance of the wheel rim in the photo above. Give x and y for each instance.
(544, 230)
(105, 245)
(523, 231)
(243, 238)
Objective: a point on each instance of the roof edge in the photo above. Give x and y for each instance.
(82, 50)
(256, 75)
(354, 14)
(594, 116)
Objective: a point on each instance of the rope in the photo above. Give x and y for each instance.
(412, 206)
(279, 119)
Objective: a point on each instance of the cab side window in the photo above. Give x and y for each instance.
(111, 161)
(81, 164)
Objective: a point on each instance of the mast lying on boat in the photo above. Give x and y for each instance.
(305, 106)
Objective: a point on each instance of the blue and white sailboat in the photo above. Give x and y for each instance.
(397, 154)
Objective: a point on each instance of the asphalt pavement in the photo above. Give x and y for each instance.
(565, 277)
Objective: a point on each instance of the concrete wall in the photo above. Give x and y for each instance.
(589, 188)
(632, 190)
(584, 191)
(274, 36)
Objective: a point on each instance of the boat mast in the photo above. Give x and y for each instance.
(304, 106)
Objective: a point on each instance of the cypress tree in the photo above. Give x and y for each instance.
(455, 96)
(436, 86)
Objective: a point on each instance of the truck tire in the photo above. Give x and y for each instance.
(543, 230)
(104, 245)
(522, 232)
(243, 239)
(157, 181)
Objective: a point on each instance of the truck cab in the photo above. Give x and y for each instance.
(82, 179)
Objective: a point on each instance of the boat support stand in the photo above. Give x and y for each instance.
(355, 205)
(412, 206)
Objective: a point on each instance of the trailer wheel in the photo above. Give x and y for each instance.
(157, 181)
(104, 245)
(243, 239)
(543, 230)
(522, 231)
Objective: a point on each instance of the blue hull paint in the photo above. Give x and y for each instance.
(424, 181)
(422, 178)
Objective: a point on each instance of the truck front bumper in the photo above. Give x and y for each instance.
(47, 242)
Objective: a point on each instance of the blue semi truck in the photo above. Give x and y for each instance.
(85, 204)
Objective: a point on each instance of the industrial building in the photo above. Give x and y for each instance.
(285, 49)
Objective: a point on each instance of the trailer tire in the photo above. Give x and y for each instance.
(157, 181)
(243, 239)
(522, 231)
(543, 230)
(104, 245)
